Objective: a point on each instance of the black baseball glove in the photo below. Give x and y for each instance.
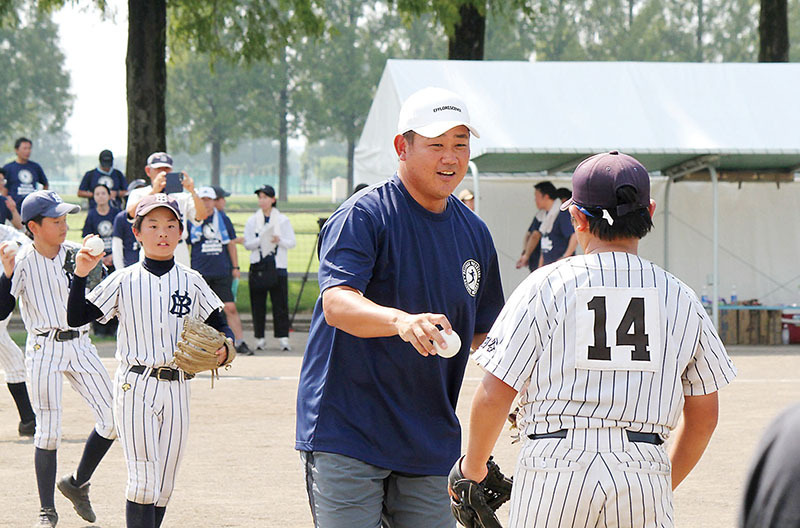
(95, 276)
(473, 503)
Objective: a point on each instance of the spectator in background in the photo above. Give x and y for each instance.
(104, 174)
(269, 234)
(22, 174)
(467, 198)
(124, 246)
(213, 256)
(100, 221)
(8, 207)
(359, 187)
(558, 236)
(531, 249)
(563, 194)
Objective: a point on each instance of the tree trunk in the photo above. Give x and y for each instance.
(216, 160)
(283, 133)
(146, 82)
(470, 32)
(700, 30)
(773, 32)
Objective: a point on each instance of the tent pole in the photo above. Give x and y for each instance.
(715, 248)
(476, 192)
(666, 224)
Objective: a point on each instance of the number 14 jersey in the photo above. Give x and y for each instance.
(604, 340)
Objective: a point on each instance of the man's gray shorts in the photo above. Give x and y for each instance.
(347, 493)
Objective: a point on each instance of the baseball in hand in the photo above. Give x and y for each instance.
(95, 245)
(453, 345)
(11, 248)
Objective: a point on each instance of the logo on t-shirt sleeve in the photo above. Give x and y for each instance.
(471, 273)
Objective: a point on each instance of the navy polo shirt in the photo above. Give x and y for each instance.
(5, 212)
(103, 225)
(21, 179)
(209, 254)
(123, 229)
(379, 400)
(533, 260)
(114, 181)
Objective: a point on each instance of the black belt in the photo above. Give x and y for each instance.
(633, 436)
(161, 373)
(62, 335)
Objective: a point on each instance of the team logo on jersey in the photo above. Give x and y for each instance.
(25, 176)
(104, 228)
(210, 232)
(471, 273)
(106, 180)
(181, 304)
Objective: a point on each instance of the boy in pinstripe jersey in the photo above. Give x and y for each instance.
(610, 354)
(55, 349)
(151, 396)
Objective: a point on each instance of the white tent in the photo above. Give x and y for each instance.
(738, 124)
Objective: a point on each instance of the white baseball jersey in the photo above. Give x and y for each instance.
(152, 416)
(151, 310)
(597, 344)
(42, 286)
(12, 360)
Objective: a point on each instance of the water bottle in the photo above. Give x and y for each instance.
(734, 297)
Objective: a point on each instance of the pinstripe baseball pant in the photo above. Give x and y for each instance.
(592, 478)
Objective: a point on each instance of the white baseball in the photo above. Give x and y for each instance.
(11, 248)
(453, 344)
(95, 245)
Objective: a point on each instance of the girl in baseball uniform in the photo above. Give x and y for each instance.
(151, 396)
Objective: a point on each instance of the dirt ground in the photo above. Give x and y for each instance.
(241, 470)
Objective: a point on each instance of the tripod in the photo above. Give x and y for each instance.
(320, 223)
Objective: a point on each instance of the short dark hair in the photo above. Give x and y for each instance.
(103, 185)
(20, 141)
(564, 194)
(38, 219)
(635, 224)
(409, 136)
(547, 188)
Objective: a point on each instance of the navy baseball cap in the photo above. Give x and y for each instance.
(45, 203)
(159, 159)
(106, 158)
(135, 184)
(596, 180)
(154, 201)
(269, 190)
(221, 193)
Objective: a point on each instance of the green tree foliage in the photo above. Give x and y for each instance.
(36, 98)
(214, 104)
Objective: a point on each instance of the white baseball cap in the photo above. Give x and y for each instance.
(207, 192)
(431, 112)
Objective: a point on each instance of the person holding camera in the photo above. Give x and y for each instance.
(268, 234)
(180, 187)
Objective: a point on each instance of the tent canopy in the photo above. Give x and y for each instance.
(548, 116)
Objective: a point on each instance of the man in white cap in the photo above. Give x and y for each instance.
(159, 164)
(376, 422)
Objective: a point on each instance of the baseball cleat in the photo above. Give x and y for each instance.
(27, 428)
(79, 497)
(260, 343)
(244, 350)
(284, 341)
(48, 518)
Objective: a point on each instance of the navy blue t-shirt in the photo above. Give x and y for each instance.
(533, 260)
(103, 225)
(114, 181)
(210, 247)
(379, 400)
(555, 243)
(21, 179)
(123, 229)
(5, 212)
